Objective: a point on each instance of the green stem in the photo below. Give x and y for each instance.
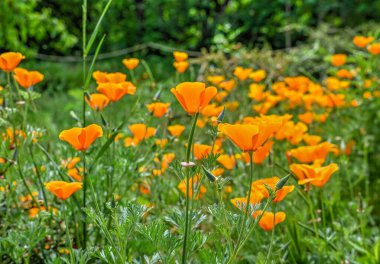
(68, 240)
(188, 153)
(272, 236)
(247, 207)
(84, 224)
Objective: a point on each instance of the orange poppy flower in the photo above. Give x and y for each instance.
(362, 41)
(374, 49)
(180, 56)
(166, 160)
(97, 101)
(345, 74)
(217, 172)
(176, 130)
(212, 110)
(144, 188)
(219, 97)
(311, 140)
(181, 66)
(193, 187)
(269, 220)
(261, 153)
(317, 153)
(115, 91)
(131, 63)
(74, 173)
(250, 137)
(242, 73)
(104, 77)
(262, 184)
(10, 60)
(201, 151)
(307, 117)
(338, 59)
(315, 175)
(141, 131)
(256, 92)
(70, 163)
(227, 161)
(215, 79)
(81, 138)
(193, 96)
(228, 85)
(27, 78)
(63, 190)
(258, 75)
(158, 109)
(241, 202)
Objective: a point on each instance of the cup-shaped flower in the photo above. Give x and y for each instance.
(315, 175)
(81, 138)
(115, 91)
(131, 63)
(180, 56)
(196, 190)
(269, 220)
(62, 189)
(338, 59)
(362, 41)
(104, 77)
(374, 48)
(97, 101)
(176, 130)
(193, 96)
(181, 66)
(158, 109)
(27, 78)
(10, 60)
(244, 136)
(141, 131)
(227, 161)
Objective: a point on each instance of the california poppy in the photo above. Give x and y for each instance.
(193, 96)
(180, 56)
(338, 59)
(81, 138)
(158, 109)
(181, 66)
(27, 78)
(201, 151)
(141, 131)
(62, 189)
(115, 91)
(374, 49)
(269, 220)
(193, 187)
(215, 79)
(241, 202)
(104, 77)
(262, 185)
(97, 101)
(242, 73)
(131, 63)
(228, 85)
(10, 60)
(313, 174)
(258, 75)
(227, 161)
(362, 41)
(316, 153)
(250, 137)
(176, 130)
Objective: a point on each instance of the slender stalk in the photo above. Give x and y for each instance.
(84, 44)
(68, 240)
(247, 207)
(85, 180)
(188, 153)
(272, 235)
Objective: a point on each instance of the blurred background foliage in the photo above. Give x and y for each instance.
(54, 26)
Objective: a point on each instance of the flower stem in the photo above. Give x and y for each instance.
(272, 236)
(188, 153)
